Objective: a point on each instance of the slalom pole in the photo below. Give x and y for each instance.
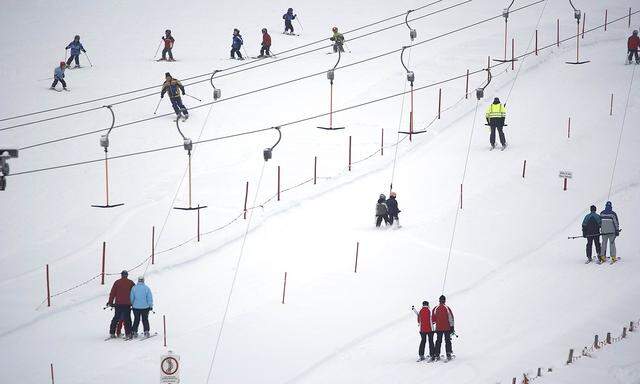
(299, 23)
(157, 106)
(88, 59)
(157, 49)
(193, 97)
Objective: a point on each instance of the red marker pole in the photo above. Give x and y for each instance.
(513, 50)
(439, 101)
(164, 329)
(48, 289)
(460, 196)
(536, 42)
(606, 17)
(488, 67)
(349, 153)
(611, 107)
(52, 378)
(382, 143)
(153, 245)
(524, 168)
(565, 184)
(104, 254)
(284, 287)
(466, 89)
(629, 26)
(584, 21)
(198, 227)
(569, 128)
(315, 169)
(355, 269)
(278, 183)
(558, 33)
(246, 197)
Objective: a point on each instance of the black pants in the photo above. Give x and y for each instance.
(633, 52)
(379, 220)
(288, 26)
(121, 312)
(338, 47)
(265, 50)
(164, 54)
(393, 217)
(492, 138)
(137, 313)
(591, 240)
(234, 51)
(55, 82)
(447, 343)
(176, 103)
(72, 57)
(423, 340)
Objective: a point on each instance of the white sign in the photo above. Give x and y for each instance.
(169, 368)
(566, 174)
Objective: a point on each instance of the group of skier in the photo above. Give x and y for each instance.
(387, 210)
(75, 48)
(605, 224)
(439, 321)
(124, 296)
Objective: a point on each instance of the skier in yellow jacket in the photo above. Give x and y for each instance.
(496, 115)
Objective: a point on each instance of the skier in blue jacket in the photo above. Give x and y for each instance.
(142, 303)
(236, 44)
(76, 47)
(58, 76)
(288, 17)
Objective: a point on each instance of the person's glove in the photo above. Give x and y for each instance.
(84, 50)
(183, 93)
(151, 309)
(162, 37)
(617, 232)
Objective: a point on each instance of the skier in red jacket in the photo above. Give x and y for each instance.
(632, 44)
(426, 330)
(266, 43)
(121, 303)
(442, 317)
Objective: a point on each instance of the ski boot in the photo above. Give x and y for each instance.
(146, 333)
(112, 336)
(52, 88)
(504, 146)
(421, 358)
(493, 146)
(134, 335)
(184, 118)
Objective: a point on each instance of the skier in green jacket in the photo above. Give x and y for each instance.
(338, 40)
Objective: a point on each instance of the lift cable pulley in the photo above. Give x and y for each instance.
(410, 78)
(268, 152)
(412, 32)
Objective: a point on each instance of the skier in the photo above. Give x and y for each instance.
(610, 230)
(338, 40)
(426, 331)
(442, 317)
(121, 302)
(76, 47)
(266, 44)
(168, 46)
(632, 45)
(591, 230)
(58, 75)
(381, 212)
(288, 17)
(142, 303)
(236, 44)
(392, 207)
(173, 87)
(496, 114)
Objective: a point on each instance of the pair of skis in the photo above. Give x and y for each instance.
(142, 338)
(442, 358)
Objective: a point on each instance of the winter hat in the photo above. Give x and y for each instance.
(382, 196)
(290, 10)
(62, 63)
(635, 32)
(608, 205)
(442, 299)
(392, 194)
(124, 273)
(425, 303)
(236, 30)
(140, 279)
(168, 31)
(167, 74)
(264, 30)
(334, 29)
(76, 37)
(496, 101)
(593, 208)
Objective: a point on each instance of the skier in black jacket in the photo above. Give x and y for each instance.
(392, 206)
(591, 230)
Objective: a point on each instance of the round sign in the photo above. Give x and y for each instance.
(169, 365)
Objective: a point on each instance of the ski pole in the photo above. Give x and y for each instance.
(157, 49)
(246, 55)
(193, 97)
(48, 78)
(88, 59)
(157, 106)
(65, 55)
(599, 234)
(299, 23)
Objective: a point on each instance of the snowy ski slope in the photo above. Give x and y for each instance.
(519, 289)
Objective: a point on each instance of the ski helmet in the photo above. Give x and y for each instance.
(76, 37)
(264, 30)
(392, 194)
(168, 31)
(124, 273)
(236, 30)
(496, 100)
(141, 279)
(334, 29)
(635, 32)
(425, 303)
(442, 299)
(593, 208)
(167, 74)
(62, 63)
(290, 10)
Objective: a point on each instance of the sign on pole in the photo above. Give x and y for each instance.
(566, 174)
(169, 368)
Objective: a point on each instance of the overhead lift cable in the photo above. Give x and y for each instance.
(235, 66)
(292, 80)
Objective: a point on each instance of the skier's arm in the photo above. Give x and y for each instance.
(181, 87)
(112, 295)
(150, 298)
(131, 296)
(82, 48)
